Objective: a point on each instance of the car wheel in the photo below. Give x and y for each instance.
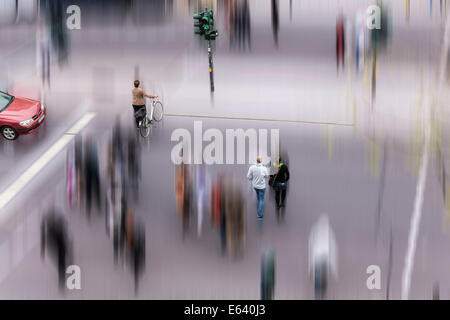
(9, 133)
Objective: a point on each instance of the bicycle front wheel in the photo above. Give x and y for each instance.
(158, 111)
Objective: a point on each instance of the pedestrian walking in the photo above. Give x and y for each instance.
(202, 181)
(258, 174)
(322, 255)
(268, 274)
(280, 183)
(92, 176)
(217, 214)
(340, 41)
(55, 239)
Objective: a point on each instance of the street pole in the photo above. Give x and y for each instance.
(211, 76)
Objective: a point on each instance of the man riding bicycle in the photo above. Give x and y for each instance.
(139, 101)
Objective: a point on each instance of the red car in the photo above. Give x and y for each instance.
(19, 116)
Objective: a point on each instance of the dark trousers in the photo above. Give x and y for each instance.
(280, 193)
(136, 109)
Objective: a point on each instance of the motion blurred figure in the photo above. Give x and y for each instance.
(55, 239)
(43, 54)
(134, 165)
(239, 24)
(360, 41)
(183, 194)
(322, 255)
(118, 154)
(60, 41)
(407, 6)
(133, 244)
(218, 218)
(436, 295)
(92, 175)
(202, 184)
(235, 219)
(275, 20)
(340, 41)
(268, 274)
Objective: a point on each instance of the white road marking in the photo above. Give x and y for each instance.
(418, 203)
(420, 188)
(186, 115)
(415, 220)
(10, 192)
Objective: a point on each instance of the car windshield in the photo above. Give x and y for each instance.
(5, 100)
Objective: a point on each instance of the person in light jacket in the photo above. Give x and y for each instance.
(258, 174)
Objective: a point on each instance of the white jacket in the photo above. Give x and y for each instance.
(257, 174)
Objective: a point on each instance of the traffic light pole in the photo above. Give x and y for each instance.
(204, 21)
(211, 76)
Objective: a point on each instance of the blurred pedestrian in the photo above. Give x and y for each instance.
(55, 239)
(133, 164)
(238, 24)
(360, 41)
(275, 20)
(92, 175)
(322, 255)
(257, 174)
(235, 219)
(183, 194)
(340, 41)
(280, 183)
(436, 295)
(202, 182)
(218, 218)
(268, 274)
(132, 243)
(232, 212)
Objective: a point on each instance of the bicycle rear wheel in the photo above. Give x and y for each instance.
(158, 111)
(145, 127)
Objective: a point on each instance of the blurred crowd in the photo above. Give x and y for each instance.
(114, 196)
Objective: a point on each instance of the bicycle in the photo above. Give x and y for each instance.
(156, 114)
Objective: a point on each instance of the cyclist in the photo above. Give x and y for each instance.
(139, 100)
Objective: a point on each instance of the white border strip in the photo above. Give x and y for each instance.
(415, 222)
(7, 195)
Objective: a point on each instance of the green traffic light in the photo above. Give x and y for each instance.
(205, 24)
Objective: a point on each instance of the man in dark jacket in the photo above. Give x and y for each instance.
(280, 183)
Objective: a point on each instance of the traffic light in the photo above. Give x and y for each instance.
(211, 35)
(205, 24)
(198, 24)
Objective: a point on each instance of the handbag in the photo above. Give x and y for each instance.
(272, 179)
